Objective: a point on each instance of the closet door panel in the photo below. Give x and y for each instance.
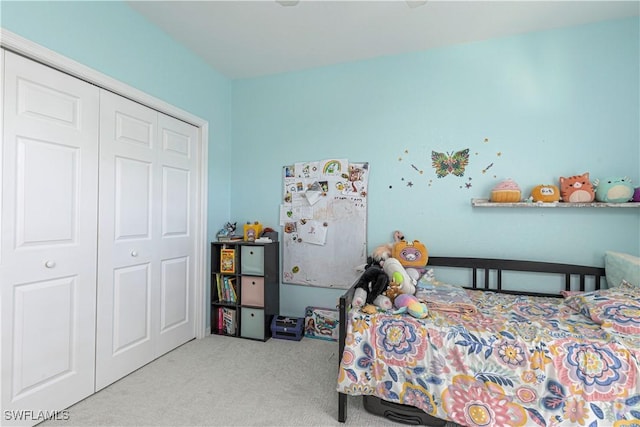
(49, 244)
(128, 222)
(131, 294)
(177, 170)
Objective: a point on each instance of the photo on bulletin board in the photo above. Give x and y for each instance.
(323, 214)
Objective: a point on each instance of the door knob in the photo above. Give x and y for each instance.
(134, 253)
(50, 264)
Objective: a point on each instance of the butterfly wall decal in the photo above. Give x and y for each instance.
(450, 163)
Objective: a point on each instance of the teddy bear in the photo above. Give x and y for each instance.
(370, 290)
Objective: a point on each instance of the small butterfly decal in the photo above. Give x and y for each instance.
(450, 163)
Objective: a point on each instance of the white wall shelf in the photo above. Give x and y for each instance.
(485, 203)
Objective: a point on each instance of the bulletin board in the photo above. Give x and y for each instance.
(324, 219)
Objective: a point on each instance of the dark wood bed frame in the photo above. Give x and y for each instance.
(491, 268)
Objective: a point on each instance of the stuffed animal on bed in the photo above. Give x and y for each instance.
(398, 276)
(382, 252)
(413, 255)
(406, 303)
(370, 290)
(410, 253)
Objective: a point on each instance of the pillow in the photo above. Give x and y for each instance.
(619, 266)
(616, 309)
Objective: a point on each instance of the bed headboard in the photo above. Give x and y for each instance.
(489, 265)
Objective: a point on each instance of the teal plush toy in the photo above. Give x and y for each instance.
(614, 190)
(409, 303)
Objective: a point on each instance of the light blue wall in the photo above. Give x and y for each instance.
(554, 103)
(112, 38)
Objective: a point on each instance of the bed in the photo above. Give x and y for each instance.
(494, 355)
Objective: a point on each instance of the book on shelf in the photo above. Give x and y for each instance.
(219, 286)
(228, 320)
(220, 322)
(227, 260)
(226, 289)
(229, 289)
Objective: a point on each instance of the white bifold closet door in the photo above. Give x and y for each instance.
(146, 243)
(49, 165)
(97, 221)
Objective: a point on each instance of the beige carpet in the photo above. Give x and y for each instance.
(223, 381)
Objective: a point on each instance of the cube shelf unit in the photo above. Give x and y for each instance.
(256, 281)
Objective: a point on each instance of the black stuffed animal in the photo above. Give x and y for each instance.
(370, 288)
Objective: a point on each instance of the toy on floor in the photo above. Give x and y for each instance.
(410, 304)
(614, 190)
(370, 287)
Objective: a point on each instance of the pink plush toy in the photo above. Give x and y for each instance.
(410, 304)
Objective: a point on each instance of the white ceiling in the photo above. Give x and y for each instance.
(244, 39)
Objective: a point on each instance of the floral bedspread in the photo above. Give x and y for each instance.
(518, 361)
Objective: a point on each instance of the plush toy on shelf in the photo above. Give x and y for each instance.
(507, 191)
(410, 304)
(614, 190)
(545, 194)
(576, 189)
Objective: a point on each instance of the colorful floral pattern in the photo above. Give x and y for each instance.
(519, 361)
(616, 309)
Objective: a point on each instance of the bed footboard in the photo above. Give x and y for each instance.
(344, 303)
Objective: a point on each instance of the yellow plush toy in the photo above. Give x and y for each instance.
(410, 253)
(545, 193)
